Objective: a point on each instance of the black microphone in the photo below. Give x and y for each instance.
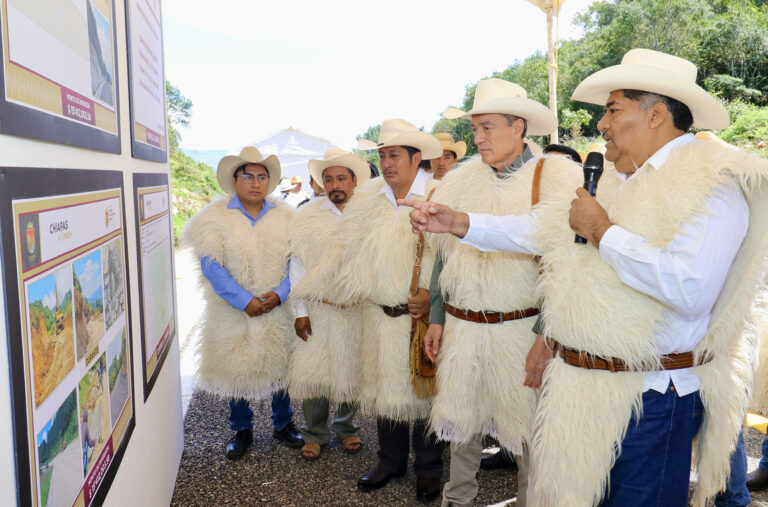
(593, 169)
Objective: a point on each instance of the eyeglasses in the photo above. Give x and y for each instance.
(250, 178)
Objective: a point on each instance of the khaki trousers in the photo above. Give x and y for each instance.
(461, 488)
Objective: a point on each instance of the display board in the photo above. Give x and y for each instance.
(66, 287)
(59, 73)
(147, 79)
(157, 281)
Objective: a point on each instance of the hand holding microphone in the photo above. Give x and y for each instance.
(587, 217)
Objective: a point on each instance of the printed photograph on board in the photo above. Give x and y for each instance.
(112, 270)
(59, 457)
(95, 425)
(51, 332)
(100, 50)
(89, 303)
(119, 390)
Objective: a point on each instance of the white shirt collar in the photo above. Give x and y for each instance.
(418, 188)
(659, 158)
(327, 204)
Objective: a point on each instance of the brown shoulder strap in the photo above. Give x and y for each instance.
(536, 187)
(419, 255)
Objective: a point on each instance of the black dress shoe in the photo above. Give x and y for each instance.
(376, 479)
(502, 459)
(239, 444)
(757, 480)
(427, 488)
(289, 435)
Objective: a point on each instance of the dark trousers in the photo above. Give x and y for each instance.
(394, 439)
(241, 415)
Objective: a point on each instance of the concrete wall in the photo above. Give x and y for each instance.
(148, 470)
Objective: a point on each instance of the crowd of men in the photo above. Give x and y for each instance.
(604, 367)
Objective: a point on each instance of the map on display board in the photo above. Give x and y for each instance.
(147, 80)
(156, 291)
(69, 331)
(59, 72)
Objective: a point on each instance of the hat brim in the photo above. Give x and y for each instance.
(459, 148)
(355, 163)
(707, 112)
(428, 144)
(228, 164)
(541, 121)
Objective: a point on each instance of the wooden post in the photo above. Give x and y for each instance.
(552, 12)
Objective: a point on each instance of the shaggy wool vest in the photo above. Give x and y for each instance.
(379, 251)
(482, 366)
(242, 356)
(328, 364)
(582, 415)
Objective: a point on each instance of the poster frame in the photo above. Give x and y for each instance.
(24, 183)
(24, 121)
(141, 150)
(143, 180)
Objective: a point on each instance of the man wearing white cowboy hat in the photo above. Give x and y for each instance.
(325, 365)
(489, 298)
(243, 250)
(294, 196)
(653, 321)
(452, 152)
(378, 254)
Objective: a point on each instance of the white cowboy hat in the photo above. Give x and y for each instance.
(399, 132)
(655, 72)
(503, 97)
(341, 158)
(285, 186)
(459, 148)
(248, 155)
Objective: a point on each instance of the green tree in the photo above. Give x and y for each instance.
(179, 112)
(372, 134)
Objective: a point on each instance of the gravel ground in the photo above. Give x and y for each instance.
(273, 474)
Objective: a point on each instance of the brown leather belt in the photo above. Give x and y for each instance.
(614, 364)
(489, 317)
(396, 311)
(336, 305)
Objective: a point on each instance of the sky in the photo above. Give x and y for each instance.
(88, 271)
(332, 69)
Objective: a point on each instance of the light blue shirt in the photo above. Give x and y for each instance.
(223, 283)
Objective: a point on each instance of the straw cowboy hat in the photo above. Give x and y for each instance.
(459, 148)
(248, 155)
(655, 72)
(338, 157)
(399, 132)
(503, 97)
(296, 180)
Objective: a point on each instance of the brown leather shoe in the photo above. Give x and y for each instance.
(376, 478)
(757, 480)
(427, 488)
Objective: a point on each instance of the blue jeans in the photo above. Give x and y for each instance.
(736, 493)
(764, 460)
(241, 415)
(654, 466)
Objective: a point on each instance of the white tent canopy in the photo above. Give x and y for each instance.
(294, 148)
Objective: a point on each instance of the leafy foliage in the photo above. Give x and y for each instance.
(63, 431)
(193, 183)
(372, 134)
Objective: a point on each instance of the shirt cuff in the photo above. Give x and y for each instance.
(283, 289)
(437, 314)
(241, 299)
(300, 309)
(611, 242)
(476, 231)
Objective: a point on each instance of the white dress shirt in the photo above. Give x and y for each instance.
(296, 270)
(687, 275)
(418, 189)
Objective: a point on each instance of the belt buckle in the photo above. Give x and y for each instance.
(485, 316)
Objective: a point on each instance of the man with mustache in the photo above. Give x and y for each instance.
(378, 256)
(325, 364)
(653, 320)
